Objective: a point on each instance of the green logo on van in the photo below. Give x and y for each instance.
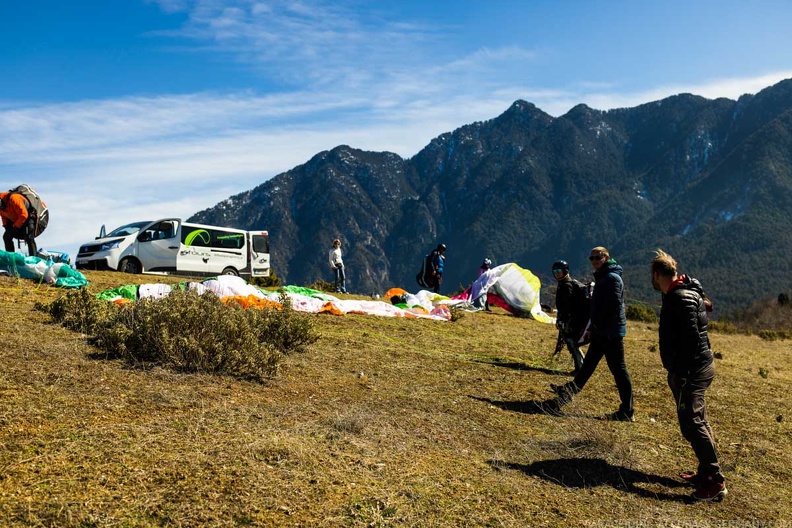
(201, 234)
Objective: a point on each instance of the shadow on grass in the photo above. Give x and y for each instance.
(594, 472)
(547, 407)
(518, 365)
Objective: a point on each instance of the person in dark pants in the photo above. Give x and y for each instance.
(337, 265)
(607, 328)
(573, 312)
(19, 221)
(437, 267)
(686, 355)
(484, 268)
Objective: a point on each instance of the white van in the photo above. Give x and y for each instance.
(172, 246)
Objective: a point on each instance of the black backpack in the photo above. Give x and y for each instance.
(580, 302)
(36, 208)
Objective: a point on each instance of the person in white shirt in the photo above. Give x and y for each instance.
(337, 263)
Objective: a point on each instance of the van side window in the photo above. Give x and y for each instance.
(161, 231)
(168, 229)
(196, 236)
(228, 240)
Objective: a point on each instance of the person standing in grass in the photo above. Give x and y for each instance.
(607, 328)
(438, 267)
(686, 355)
(484, 268)
(337, 264)
(573, 311)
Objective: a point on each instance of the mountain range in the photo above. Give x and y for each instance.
(709, 181)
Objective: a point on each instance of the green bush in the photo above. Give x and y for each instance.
(190, 332)
(78, 310)
(286, 330)
(641, 312)
(322, 285)
(271, 281)
(723, 327)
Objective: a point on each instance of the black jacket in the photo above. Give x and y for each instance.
(684, 344)
(608, 317)
(573, 316)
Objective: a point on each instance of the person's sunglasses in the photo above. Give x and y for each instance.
(558, 271)
(592, 258)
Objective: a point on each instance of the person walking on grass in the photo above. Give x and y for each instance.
(572, 311)
(687, 357)
(337, 264)
(606, 330)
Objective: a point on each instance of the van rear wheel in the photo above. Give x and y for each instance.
(231, 271)
(129, 265)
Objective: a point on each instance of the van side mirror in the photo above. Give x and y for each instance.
(102, 232)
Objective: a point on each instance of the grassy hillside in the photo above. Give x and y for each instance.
(383, 422)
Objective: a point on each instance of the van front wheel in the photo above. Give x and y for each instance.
(129, 265)
(231, 271)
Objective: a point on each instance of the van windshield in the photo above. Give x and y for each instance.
(128, 229)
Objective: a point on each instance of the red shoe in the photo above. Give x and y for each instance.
(710, 489)
(690, 478)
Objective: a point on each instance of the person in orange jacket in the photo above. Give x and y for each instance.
(17, 221)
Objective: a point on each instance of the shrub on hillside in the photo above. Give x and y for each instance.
(322, 285)
(78, 310)
(641, 312)
(768, 319)
(271, 281)
(192, 332)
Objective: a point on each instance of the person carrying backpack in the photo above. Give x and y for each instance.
(437, 267)
(19, 220)
(572, 304)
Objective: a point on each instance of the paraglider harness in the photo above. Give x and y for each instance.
(36, 209)
(424, 277)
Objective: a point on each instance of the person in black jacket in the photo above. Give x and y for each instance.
(686, 355)
(437, 267)
(572, 313)
(607, 328)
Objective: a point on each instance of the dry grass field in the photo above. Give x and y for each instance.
(382, 422)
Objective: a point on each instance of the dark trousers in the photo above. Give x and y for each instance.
(613, 350)
(574, 350)
(340, 278)
(22, 233)
(692, 414)
(437, 280)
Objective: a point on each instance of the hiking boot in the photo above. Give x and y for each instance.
(564, 391)
(552, 407)
(710, 488)
(619, 416)
(690, 478)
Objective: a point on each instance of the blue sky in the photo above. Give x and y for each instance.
(123, 110)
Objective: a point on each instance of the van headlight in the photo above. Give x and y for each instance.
(109, 245)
